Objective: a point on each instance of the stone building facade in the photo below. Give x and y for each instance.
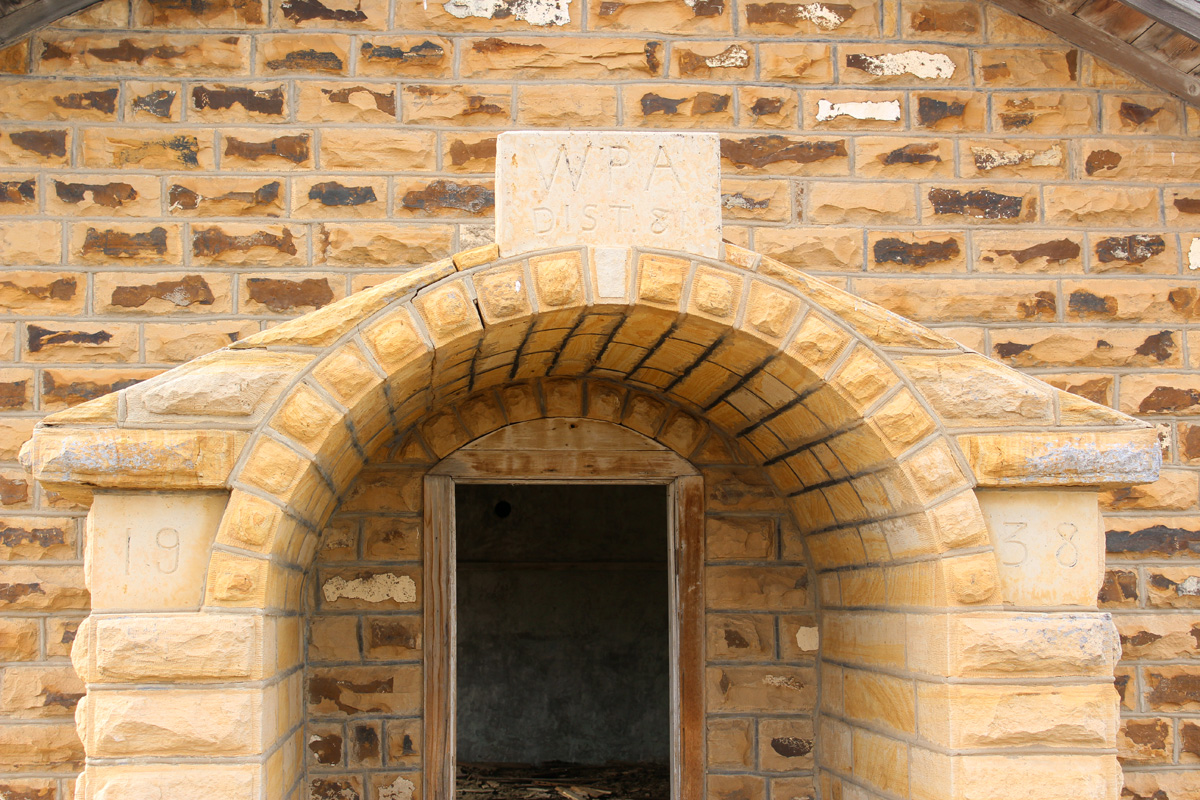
(178, 177)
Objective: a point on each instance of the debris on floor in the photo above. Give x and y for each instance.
(559, 781)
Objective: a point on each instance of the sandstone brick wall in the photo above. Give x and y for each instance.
(176, 176)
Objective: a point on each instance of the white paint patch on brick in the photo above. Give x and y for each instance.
(987, 158)
(818, 14)
(884, 110)
(733, 56)
(375, 589)
(535, 12)
(808, 638)
(783, 682)
(740, 201)
(1194, 254)
(400, 789)
(918, 63)
(1190, 587)
(472, 236)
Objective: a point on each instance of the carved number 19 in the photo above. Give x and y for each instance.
(167, 541)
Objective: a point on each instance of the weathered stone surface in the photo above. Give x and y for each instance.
(138, 148)
(143, 54)
(981, 301)
(1064, 459)
(964, 715)
(1072, 205)
(456, 105)
(166, 293)
(573, 106)
(186, 782)
(608, 181)
(1167, 785)
(992, 644)
(177, 648)
(226, 722)
(731, 743)
(786, 745)
(133, 459)
(39, 746)
(1145, 741)
(355, 690)
(817, 249)
(237, 197)
(19, 639)
(369, 103)
(1173, 587)
(907, 251)
(39, 692)
(750, 689)
(756, 588)
(234, 385)
(430, 56)
(952, 387)
(1172, 688)
(37, 539)
(1087, 347)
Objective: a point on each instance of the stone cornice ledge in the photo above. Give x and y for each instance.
(72, 459)
(1064, 458)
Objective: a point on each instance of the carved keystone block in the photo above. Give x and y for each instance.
(656, 189)
(1048, 544)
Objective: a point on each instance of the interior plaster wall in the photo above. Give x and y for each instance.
(562, 624)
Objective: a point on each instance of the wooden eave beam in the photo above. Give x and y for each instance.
(1183, 17)
(30, 17)
(1102, 44)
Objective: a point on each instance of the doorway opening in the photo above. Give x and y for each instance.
(563, 641)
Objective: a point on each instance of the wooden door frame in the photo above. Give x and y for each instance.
(686, 571)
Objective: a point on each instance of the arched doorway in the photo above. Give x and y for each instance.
(960, 652)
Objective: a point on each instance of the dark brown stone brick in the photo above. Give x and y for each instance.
(1155, 539)
(284, 295)
(441, 194)
(760, 151)
(1120, 588)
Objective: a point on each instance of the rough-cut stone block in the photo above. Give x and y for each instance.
(773, 689)
(573, 106)
(133, 459)
(41, 747)
(197, 647)
(339, 691)
(608, 189)
(1104, 458)
(181, 781)
(731, 744)
(39, 692)
(965, 715)
(1003, 645)
(191, 722)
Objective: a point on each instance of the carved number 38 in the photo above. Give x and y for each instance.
(166, 559)
(1016, 551)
